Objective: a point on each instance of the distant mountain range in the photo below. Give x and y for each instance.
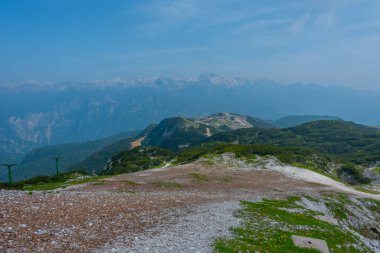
(35, 114)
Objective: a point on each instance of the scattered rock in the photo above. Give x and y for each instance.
(192, 233)
(327, 219)
(41, 232)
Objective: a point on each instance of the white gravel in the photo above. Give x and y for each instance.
(311, 176)
(230, 160)
(191, 233)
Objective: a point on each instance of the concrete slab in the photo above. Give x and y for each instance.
(328, 219)
(307, 242)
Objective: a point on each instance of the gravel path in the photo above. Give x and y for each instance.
(84, 221)
(192, 233)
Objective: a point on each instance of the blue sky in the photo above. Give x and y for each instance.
(310, 41)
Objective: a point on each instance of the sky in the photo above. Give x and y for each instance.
(328, 42)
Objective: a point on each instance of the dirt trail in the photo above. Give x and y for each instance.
(137, 143)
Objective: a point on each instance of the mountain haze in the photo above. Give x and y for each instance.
(36, 114)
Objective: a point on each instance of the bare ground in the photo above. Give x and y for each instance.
(110, 216)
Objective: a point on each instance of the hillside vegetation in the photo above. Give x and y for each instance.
(47, 183)
(39, 161)
(137, 159)
(334, 147)
(96, 162)
(179, 132)
(343, 141)
(295, 120)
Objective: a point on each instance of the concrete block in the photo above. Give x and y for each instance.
(307, 242)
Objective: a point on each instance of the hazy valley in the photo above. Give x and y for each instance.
(37, 114)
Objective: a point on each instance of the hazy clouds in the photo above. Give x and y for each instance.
(326, 42)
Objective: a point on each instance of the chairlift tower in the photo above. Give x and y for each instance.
(56, 158)
(9, 166)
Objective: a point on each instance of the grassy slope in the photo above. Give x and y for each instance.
(63, 183)
(352, 145)
(268, 227)
(97, 161)
(46, 183)
(344, 141)
(140, 158)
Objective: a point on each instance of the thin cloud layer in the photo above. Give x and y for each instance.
(327, 42)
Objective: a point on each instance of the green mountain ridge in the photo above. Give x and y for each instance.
(295, 120)
(173, 133)
(333, 147)
(343, 141)
(179, 132)
(347, 141)
(97, 162)
(39, 161)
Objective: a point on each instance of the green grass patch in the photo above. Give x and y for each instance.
(208, 162)
(251, 157)
(139, 159)
(377, 170)
(268, 227)
(44, 186)
(372, 204)
(361, 189)
(166, 184)
(63, 182)
(199, 177)
(336, 202)
(47, 183)
(131, 183)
